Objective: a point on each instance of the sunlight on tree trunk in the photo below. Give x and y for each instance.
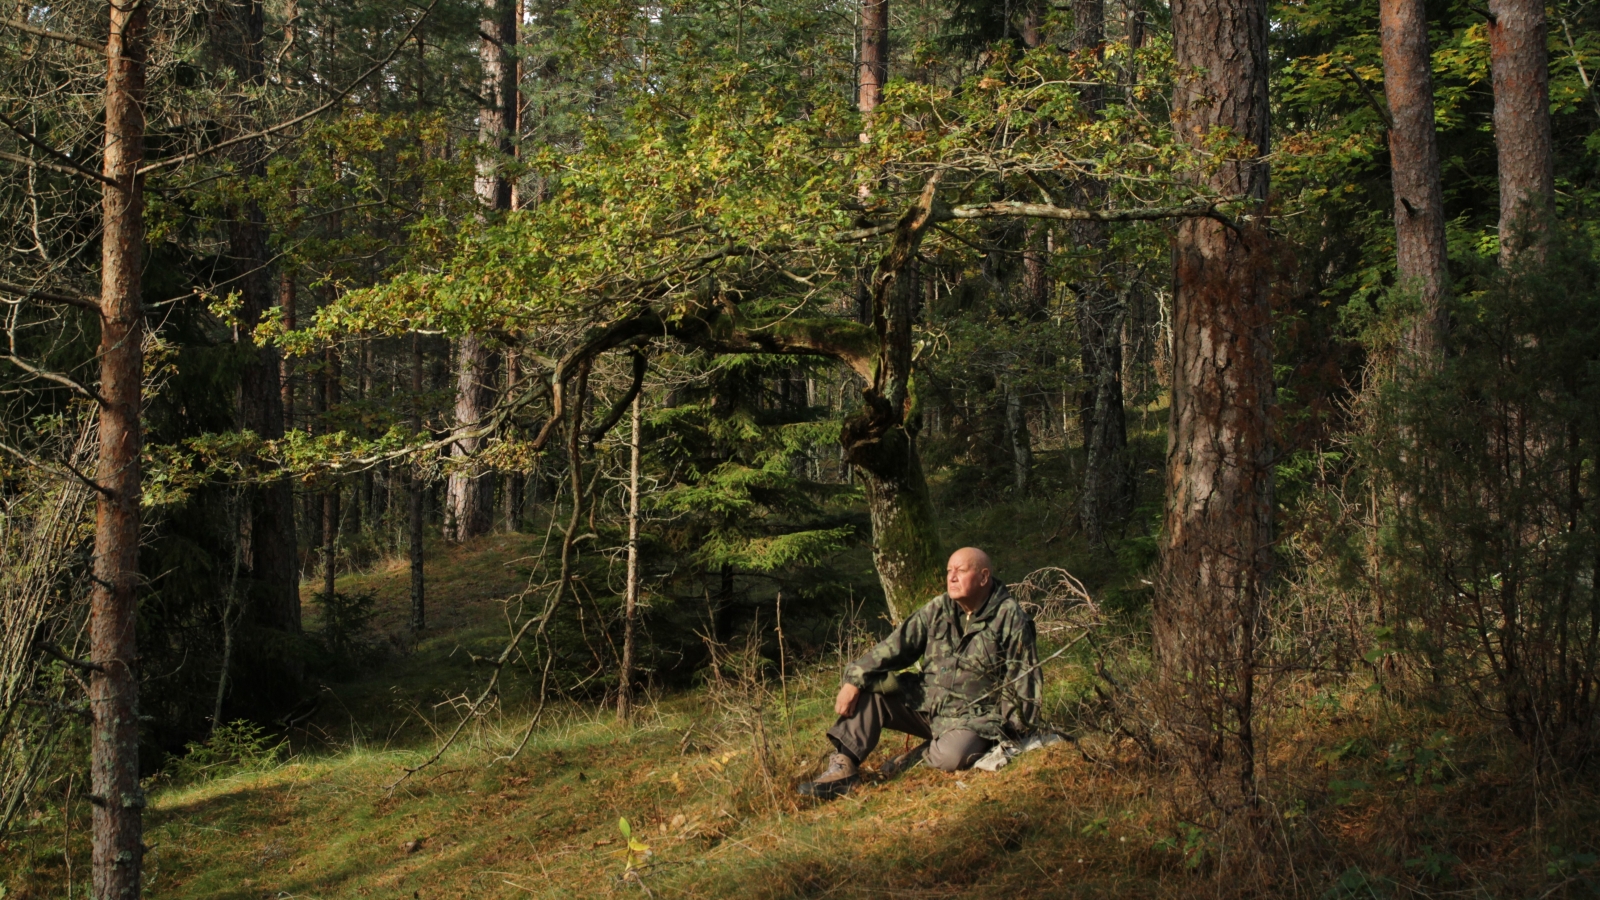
(1217, 543)
(1421, 256)
(113, 599)
(1521, 70)
(631, 599)
(472, 486)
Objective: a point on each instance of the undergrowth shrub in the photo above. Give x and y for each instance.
(238, 746)
(345, 638)
(1491, 473)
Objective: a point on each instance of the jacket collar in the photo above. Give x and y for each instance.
(997, 595)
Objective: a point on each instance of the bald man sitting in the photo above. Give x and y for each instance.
(979, 682)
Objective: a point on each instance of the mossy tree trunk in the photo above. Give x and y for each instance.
(881, 439)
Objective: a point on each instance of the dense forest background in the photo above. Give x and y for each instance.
(1277, 329)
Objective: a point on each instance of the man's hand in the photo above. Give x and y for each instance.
(845, 704)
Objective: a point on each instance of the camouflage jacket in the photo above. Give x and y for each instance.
(979, 672)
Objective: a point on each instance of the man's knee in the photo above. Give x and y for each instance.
(956, 750)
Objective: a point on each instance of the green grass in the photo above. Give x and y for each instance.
(1365, 793)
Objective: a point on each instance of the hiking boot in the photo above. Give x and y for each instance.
(837, 781)
(904, 761)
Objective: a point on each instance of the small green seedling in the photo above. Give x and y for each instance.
(634, 854)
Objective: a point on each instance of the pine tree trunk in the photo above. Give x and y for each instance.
(1520, 62)
(514, 481)
(1107, 479)
(330, 540)
(873, 65)
(471, 487)
(1216, 546)
(419, 620)
(1107, 482)
(318, 424)
(631, 599)
(113, 597)
(470, 493)
(1088, 30)
(272, 562)
(1422, 261)
(330, 497)
(1021, 440)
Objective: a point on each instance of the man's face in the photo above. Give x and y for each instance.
(967, 576)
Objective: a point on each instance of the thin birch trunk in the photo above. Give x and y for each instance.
(631, 602)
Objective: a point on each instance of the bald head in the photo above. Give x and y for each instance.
(968, 577)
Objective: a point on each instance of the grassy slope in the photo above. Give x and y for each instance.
(706, 776)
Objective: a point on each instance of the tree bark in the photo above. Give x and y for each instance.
(1021, 440)
(880, 439)
(1216, 548)
(873, 66)
(1107, 480)
(470, 492)
(1519, 59)
(514, 481)
(330, 497)
(1422, 261)
(271, 561)
(118, 853)
(631, 600)
(419, 620)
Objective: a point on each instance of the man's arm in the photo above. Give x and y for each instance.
(901, 648)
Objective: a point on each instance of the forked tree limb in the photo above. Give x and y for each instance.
(640, 366)
(64, 381)
(72, 470)
(21, 160)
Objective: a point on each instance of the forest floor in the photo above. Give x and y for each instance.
(1365, 795)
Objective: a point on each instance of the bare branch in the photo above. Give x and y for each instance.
(68, 466)
(1012, 208)
(1383, 111)
(640, 366)
(84, 664)
(22, 26)
(338, 98)
(27, 293)
(63, 163)
(55, 377)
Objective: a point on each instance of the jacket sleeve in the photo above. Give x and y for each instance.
(1023, 689)
(901, 648)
